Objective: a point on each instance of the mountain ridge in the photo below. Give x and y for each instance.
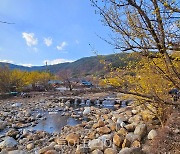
(83, 66)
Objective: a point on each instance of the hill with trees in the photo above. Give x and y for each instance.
(82, 67)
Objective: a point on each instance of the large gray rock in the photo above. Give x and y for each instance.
(86, 111)
(3, 125)
(141, 130)
(105, 138)
(119, 124)
(17, 152)
(68, 103)
(152, 134)
(133, 137)
(96, 144)
(17, 104)
(8, 142)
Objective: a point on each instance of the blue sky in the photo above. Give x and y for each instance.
(50, 30)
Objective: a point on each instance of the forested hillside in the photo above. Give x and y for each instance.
(83, 66)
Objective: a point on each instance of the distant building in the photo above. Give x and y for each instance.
(86, 83)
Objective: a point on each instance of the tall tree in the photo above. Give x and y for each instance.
(152, 29)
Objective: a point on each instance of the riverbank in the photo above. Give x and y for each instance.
(97, 129)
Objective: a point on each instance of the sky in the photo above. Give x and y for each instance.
(55, 31)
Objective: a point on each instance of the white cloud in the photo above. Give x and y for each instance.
(56, 61)
(30, 39)
(26, 65)
(48, 41)
(6, 61)
(12, 62)
(62, 46)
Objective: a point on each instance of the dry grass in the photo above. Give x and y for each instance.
(168, 139)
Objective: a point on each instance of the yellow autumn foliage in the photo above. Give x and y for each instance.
(16, 80)
(147, 77)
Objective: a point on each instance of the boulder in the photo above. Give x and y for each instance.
(17, 152)
(87, 110)
(122, 132)
(51, 152)
(119, 124)
(126, 143)
(30, 146)
(91, 135)
(45, 149)
(96, 144)
(68, 103)
(132, 137)
(105, 116)
(16, 105)
(118, 140)
(112, 126)
(103, 130)
(106, 139)
(176, 131)
(100, 123)
(110, 151)
(130, 127)
(141, 130)
(97, 151)
(152, 134)
(72, 138)
(8, 143)
(136, 144)
(134, 111)
(3, 125)
(131, 151)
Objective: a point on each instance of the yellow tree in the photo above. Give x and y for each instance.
(36, 77)
(152, 29)
(12, 80)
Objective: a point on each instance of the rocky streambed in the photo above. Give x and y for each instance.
(72, 125)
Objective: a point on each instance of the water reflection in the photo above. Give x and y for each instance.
(54, 123)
